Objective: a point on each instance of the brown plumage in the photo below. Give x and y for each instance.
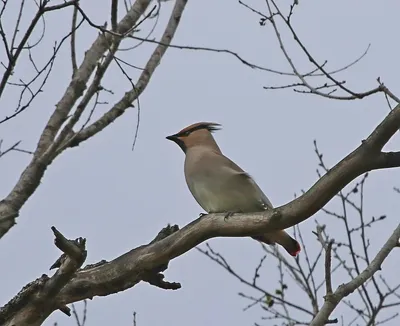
(221, 186)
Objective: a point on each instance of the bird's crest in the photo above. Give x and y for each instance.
(210, 126)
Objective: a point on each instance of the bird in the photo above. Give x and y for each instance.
(219, 185)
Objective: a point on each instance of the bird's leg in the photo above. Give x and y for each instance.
(228, 215)
(202, 214)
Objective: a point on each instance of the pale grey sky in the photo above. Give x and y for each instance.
(119, 199)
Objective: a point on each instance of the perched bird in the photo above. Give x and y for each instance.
(221, 186)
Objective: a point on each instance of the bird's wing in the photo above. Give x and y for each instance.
(259, 193)
(252, 187)
(219, 185)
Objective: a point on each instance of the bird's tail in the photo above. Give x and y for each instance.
(282, 238)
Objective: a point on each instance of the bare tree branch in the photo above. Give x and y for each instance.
(73, 41)
(13, 57)
(50, 145)
(328, 268)
(14, 147)
(326, 90)
(114, 15)
(35, 301)
(344, 290)
(78, 321)
(120, 107)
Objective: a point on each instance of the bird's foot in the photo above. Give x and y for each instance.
(202, 214)
(228, 215)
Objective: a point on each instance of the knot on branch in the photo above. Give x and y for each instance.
(155, 277)
(73, 249)
(36, 300)
(165, 232)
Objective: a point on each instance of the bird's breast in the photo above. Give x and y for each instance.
(206, 192)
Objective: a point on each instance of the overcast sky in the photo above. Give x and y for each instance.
(118, 199)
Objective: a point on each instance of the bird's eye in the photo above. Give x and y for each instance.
(186, 133)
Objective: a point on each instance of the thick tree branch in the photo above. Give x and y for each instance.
(35, 301)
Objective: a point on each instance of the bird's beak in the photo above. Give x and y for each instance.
(172, 138)
(177, 141)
